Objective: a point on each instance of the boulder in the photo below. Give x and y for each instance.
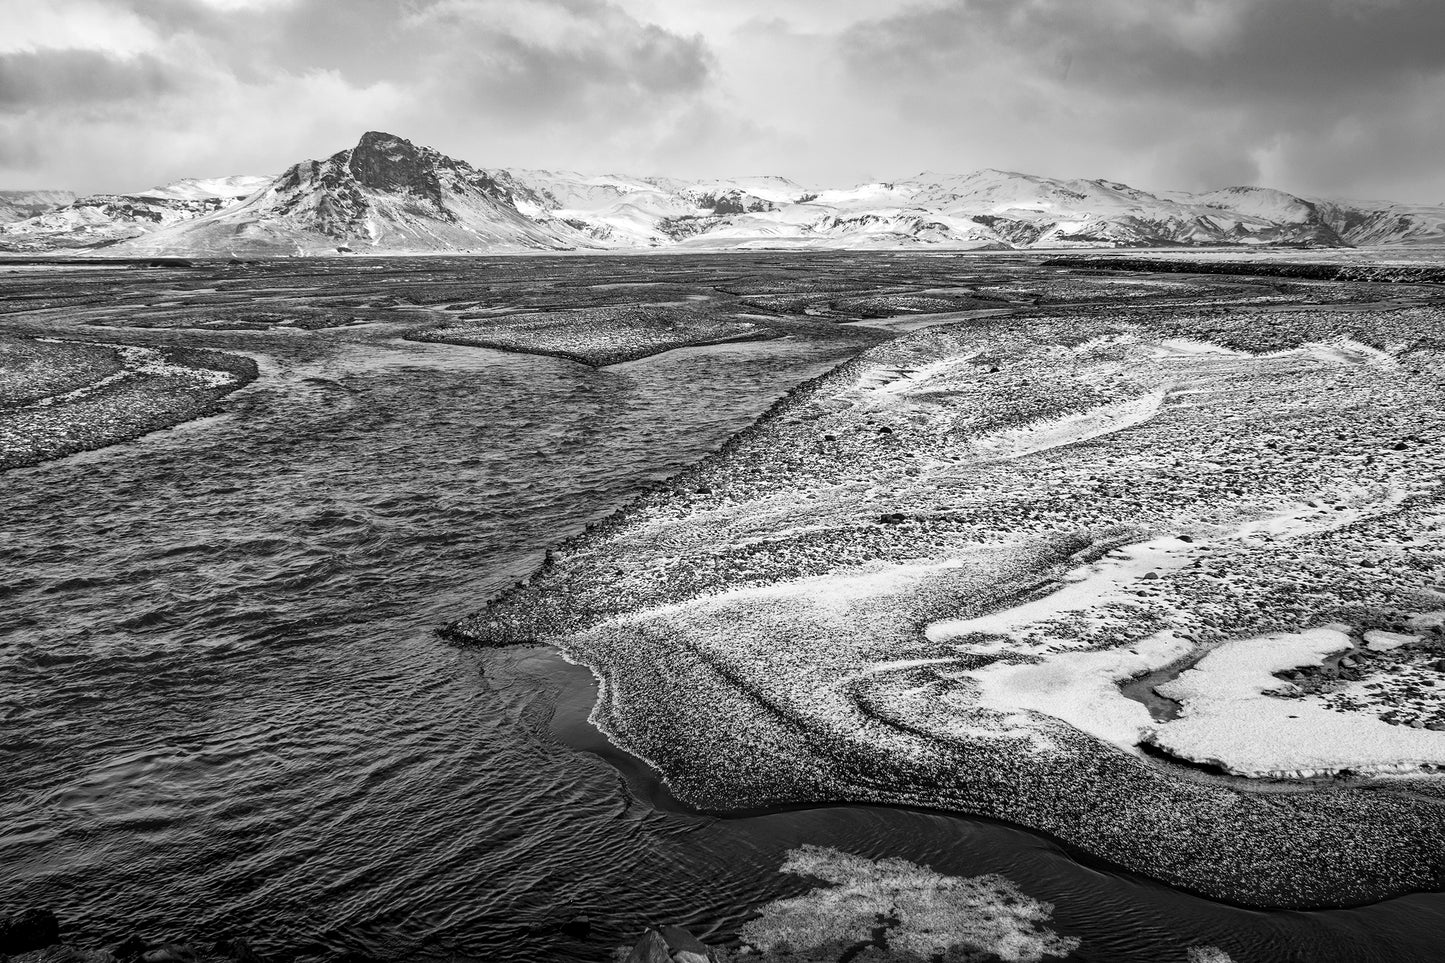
(31, 929)
(679, 939)
(652, 948)
(65, 953)
(578, 928)
(129, 949)
(238, 950)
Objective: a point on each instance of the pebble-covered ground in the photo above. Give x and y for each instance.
(59, 397)
(817, 612)
(602, 336)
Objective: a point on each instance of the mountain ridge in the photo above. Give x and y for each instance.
(388, 195)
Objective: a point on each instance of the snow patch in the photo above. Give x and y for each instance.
(1082, 688)
(1378, 640)
(1233, 715)
(1071, 429)
(1081, 589)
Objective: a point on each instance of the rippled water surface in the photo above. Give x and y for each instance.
(225, 709)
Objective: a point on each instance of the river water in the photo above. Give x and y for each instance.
(225, 710)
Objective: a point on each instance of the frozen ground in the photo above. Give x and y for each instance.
(931, 577)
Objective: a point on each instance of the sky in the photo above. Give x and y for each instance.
(1338, 98)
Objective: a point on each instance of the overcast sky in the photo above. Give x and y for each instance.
(1343, 98)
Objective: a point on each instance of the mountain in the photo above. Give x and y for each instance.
(232, 188)
(103, 220)
(387, 195)
(384, 194)
(18, 205)
(1382, 223)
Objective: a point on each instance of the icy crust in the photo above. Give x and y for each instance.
(922, 578)
(66, 396)
(891, 909)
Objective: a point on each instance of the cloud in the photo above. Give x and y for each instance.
(63, 78)
(1196, 89)
(494, 81)
(1315, 96)
(581, 61)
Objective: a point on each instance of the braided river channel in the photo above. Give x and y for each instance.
(226, 708)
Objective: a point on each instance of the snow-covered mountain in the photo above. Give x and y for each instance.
(104, 220)
(387, 195)
(18, 205)
(383, 195)
(231, 188)
(1368, 224)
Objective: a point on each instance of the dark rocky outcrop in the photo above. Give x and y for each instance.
(672, 944)
(33, 936)
(30, 929)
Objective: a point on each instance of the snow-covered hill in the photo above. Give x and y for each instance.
(231, 188)
(383, 195)
(18, 205)
(104, 220)
(1367, 224)
(389, 195)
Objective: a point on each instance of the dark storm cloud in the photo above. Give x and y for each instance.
(1310, 49)
(1208, 86)
(47, 79)
(518, 78)
(541, 51)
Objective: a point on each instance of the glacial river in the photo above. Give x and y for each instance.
(225, 710)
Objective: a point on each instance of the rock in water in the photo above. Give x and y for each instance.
(31, 929)
(680, 940)
(238, 950)
(129, 950)
(578, 928)
(652, 948)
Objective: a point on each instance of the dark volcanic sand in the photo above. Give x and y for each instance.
(229, 713)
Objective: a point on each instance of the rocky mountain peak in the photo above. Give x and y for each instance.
(386, 162)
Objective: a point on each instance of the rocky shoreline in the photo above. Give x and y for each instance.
(36, 936)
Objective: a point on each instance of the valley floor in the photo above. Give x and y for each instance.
(1145, 559)
(1150, 562)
